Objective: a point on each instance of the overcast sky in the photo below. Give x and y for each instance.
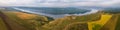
(59, 3)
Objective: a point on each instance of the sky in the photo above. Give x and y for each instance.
(59, 3)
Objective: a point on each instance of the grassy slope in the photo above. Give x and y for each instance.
(114, 23)
(31, 20)
(110, 25)
(61, 23)
(118, 23)
(28, 23)
(101, 22)
(77, 26)
(13, 24)
(2, 25)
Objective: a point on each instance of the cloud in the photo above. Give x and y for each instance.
(15, 2)
(59, 3)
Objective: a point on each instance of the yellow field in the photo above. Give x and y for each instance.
(102, 21)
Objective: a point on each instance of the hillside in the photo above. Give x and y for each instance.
(24, 21)
(96, 25)
(118, 23)
(60, 24)
(113, 23)
(2, 25)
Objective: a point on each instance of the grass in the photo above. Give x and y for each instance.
(118, 23)
(2, 25)
(61, 23)
(33, 22)
(24, 16)
(110, 25)
(29, 21)
(114, 23)
(91, 17)
(77, 26)
(96, 27)
(14, 21)
(101, 22)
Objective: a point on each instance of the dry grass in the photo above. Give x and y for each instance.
(2, 25)
(29, 21)
(102, 21)
(110, 25)
(25, 15)
(60, 24)
(77, 26)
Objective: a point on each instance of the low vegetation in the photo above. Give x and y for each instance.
(95, 21)
(2, 25)
(77, 26)
(29, 21)
(101, 22)
(61, 23)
